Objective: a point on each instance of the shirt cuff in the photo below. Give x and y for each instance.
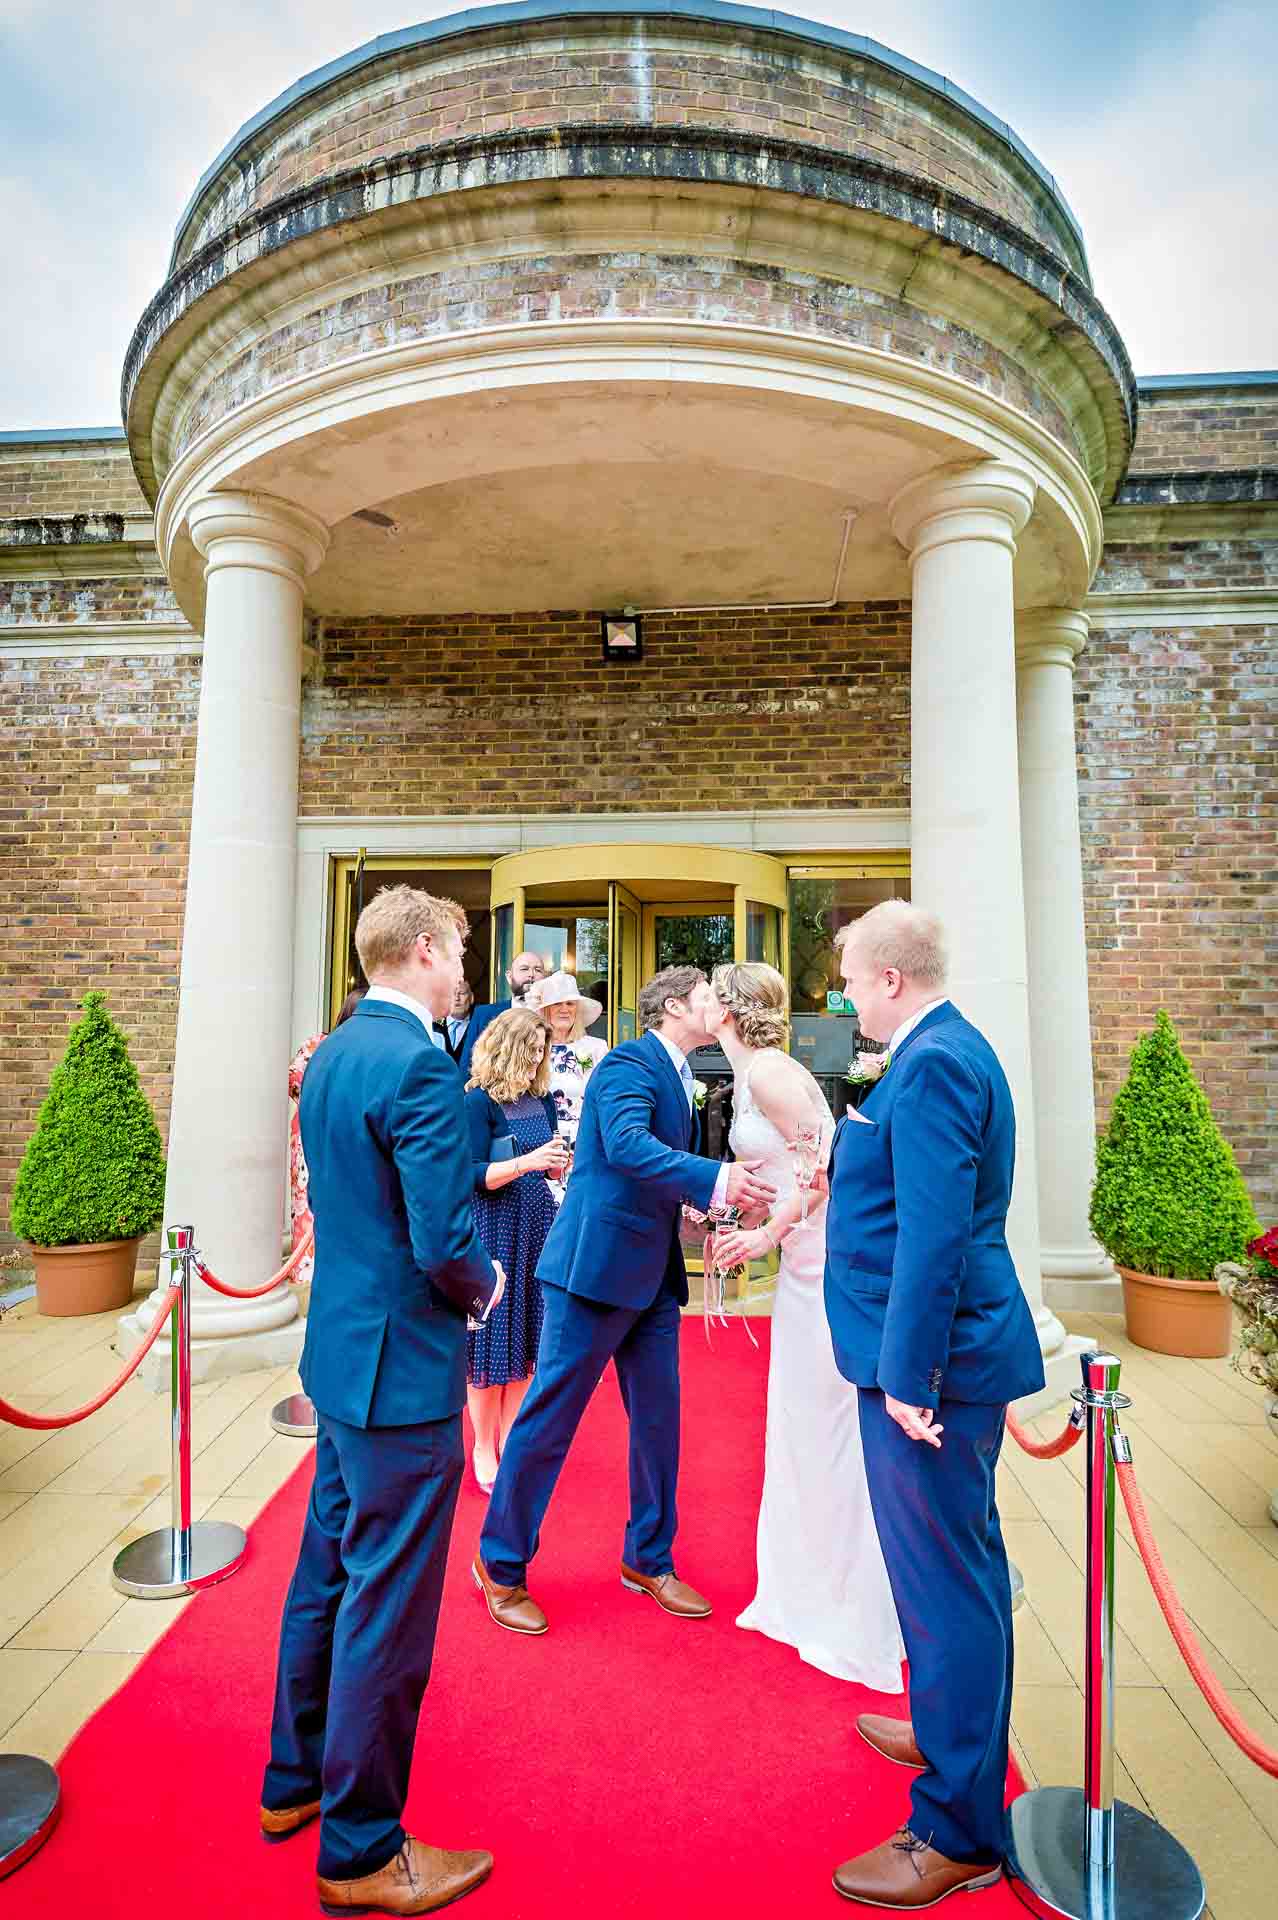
(720, 1195)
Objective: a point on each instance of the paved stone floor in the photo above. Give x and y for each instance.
(1204, 1456)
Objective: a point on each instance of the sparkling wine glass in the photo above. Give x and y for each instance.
(567, 1131)
(806, 1148)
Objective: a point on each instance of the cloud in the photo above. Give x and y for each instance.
(1158, 120)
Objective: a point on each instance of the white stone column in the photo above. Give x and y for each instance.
(228, 1131)
(1076, 1273)
(959, 526)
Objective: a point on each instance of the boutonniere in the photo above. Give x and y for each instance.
(867, 1068)
(585, 1059)
(699, 1092)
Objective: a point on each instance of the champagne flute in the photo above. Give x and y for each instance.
(806, 1148)
(567, 1131)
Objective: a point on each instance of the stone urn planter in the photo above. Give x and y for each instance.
(97, 1278)
(1191, 1318)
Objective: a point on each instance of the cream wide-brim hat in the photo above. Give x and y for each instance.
(552, 992)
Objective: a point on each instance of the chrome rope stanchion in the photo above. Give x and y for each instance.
(295, 1417)
(30, 1802)
(1087, 1856)
(187, 1555)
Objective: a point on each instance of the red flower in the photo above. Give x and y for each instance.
(1265, 1247)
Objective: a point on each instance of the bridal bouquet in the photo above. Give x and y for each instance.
(714, 1277)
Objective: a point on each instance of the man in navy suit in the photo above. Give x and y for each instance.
(614, 1281)
(398, 1269)
(929, 1322)
(523, 970)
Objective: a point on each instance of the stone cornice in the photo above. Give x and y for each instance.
(1194, 607)
(75, 530)
(58, 639)
(947, 231)
(1214, 487)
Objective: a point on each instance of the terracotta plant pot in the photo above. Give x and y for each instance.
(91, 1279)
(1192, 1318)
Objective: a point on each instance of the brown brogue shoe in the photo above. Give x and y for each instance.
(511, 1607)
(281, 1823)
(669, 1591)
(419, 1879)
(907, 1874)
(894, 1739)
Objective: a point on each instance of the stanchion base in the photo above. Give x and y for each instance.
(1154, 1877)
(162, 1564)
(30, 1802)
(295, 1417)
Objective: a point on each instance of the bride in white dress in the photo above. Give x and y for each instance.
(823, 1588)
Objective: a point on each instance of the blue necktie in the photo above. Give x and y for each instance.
(685, 1074)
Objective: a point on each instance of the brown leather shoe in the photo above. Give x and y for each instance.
(283, 1822)
(907, 1874)
(894, 1739)
(669, 1592)
(418, 1880)
(510, 1607)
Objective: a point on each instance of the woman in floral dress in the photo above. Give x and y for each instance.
(574, 1054)
(299, 1207)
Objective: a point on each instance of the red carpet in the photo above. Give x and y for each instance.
(625, 1764)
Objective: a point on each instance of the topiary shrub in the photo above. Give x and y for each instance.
(1168, 1199)
(94, 1167)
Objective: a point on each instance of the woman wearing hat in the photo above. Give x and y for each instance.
(567, 1013)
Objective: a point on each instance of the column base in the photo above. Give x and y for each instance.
(217, 1350)
(1080, 1280)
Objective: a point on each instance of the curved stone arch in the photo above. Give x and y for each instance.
(297, 442)
(750, 201)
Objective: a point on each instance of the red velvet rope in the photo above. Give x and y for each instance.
(286, 1272)
(43, 1422)
(1183, 1634)
(1043, 1449)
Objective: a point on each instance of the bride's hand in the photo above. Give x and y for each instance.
(733, 1248)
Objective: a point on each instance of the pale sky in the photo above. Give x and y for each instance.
(1160, 121)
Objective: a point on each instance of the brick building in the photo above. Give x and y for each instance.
(505, 323)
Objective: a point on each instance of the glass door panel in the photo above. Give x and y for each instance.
(688, 934)
(622, 1008)
(763, 933)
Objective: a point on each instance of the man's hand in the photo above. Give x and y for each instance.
(916, 1423)
(746, 1191)
(495, 1302)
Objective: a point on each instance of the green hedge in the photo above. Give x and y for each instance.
(1168, 1198)
(94, 1167)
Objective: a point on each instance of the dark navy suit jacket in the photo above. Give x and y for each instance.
(481, 1016)
(617, 1235)
(398, 1264)
(920, 1291)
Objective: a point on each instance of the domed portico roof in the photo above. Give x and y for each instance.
(788, 25)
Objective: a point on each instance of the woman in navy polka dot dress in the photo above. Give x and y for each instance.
(516, 1152)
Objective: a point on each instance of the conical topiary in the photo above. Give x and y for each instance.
(94, 1167)
(1169, 1199)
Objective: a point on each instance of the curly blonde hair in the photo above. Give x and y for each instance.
(755, 996)
(502, 1063)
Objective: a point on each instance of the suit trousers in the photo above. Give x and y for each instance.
(358, 1633)
(578, 1338)
(939, 1528)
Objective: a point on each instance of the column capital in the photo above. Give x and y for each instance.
(256, 531)
(989, 500)
(1050, 636)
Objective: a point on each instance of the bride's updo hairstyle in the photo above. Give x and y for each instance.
(755, 996)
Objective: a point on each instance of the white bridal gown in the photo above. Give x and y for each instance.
(823, 1588)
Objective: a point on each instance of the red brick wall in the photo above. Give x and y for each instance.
(492, 714)
(1178, 758)
(96, 763)
(1198, 430)
(656, 73)
(54, 482)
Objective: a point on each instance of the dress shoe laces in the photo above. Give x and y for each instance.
(404, 1860)
(911, 1846)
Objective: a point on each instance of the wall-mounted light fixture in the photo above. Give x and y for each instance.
(621, 635)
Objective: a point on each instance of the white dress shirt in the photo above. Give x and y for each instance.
(908, 1026)
(679, 1060)
(398, 999)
